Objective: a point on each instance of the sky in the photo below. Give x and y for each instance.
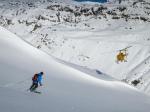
(94, 0)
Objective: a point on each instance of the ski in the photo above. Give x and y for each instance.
(37, 92)
(34, 91)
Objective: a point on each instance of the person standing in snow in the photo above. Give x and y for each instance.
(36, 79)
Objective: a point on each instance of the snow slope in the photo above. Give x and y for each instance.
(64, 89)
(87, 34)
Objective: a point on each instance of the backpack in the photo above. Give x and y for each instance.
(35, 77)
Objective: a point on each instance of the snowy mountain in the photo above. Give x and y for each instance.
(88, 34)
(65, 89)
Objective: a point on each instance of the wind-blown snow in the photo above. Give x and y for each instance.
(64, 89)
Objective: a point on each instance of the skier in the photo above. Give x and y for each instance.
(36, 79)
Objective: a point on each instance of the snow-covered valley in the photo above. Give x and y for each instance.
(64, 89)
(87, 34)
(93, 55)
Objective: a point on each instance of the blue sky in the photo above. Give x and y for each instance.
(93, 0)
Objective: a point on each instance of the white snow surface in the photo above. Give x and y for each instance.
(64, 89)
(89, 40)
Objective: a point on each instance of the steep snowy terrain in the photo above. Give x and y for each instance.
(87, 34)
(64, 89)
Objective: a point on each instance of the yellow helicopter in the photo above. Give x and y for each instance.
(122, 55)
